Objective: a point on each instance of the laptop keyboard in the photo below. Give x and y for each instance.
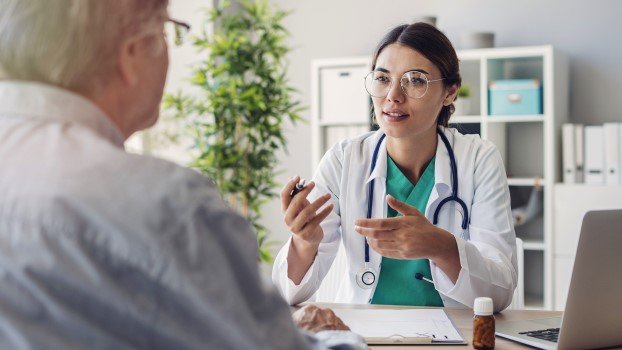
(550, 334)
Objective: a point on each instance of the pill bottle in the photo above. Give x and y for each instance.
(483, 324)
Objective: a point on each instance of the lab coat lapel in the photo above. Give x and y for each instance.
(379, 205)
(442, 176)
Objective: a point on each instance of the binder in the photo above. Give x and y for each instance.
(579, 136)
(594, 155)
(568, 154)
(620, 153)
(612, 153)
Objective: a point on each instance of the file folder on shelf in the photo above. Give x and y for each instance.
(568, 154)
(612, 153)
(579, 152)
(594, 155)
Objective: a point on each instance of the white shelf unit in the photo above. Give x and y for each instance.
(571, 203)
(340, 106)
(529, 144)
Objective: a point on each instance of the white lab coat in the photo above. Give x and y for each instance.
(488, 257)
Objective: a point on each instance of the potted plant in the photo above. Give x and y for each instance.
(463, 101)
(236, 116)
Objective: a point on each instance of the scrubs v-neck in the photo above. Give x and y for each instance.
(397, 284)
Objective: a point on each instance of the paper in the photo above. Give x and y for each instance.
(408, 323)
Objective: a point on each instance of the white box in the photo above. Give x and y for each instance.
(343, 98)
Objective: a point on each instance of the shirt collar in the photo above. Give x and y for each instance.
(46, 102)
(380, 170)
(442, 168)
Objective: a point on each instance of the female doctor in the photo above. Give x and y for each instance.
(422, 211)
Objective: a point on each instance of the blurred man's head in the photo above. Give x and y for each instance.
(112, 52)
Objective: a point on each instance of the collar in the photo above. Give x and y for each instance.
(442, 168)
(31, 100)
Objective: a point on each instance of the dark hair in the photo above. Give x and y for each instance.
(434, 45)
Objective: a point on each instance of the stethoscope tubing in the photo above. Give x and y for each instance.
(454, 187)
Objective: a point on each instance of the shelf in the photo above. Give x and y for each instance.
(504, 52)
(578, 186)
(465, 119)
(526, 181)
(533, 245)
(459, 119)
(515, 118)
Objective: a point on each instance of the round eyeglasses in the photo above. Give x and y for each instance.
(177, 30)
(414, 83)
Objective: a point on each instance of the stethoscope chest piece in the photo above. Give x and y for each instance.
(366, 277)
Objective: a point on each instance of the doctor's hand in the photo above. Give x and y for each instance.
(302, 217)
(411, 236)
(315, 319)
(303, 220)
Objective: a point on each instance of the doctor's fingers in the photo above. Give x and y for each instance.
(385, 248)
(299, 202)
(375, 233)
(302, 206)
(286, 192)
(383, 224)
(296, 222)
(309, 228)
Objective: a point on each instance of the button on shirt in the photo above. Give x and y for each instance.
(102, 249)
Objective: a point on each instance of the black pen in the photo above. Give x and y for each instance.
(299, 187)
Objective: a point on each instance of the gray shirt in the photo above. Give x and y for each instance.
(104, 249)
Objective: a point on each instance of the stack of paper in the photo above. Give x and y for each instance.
(414, 326)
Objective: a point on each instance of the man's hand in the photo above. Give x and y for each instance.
(315, 319)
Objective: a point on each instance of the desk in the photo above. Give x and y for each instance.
(463, 319)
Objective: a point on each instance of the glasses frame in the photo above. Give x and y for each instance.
(181, 29)
(427, 86)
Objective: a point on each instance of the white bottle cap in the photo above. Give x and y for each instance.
(483, 306)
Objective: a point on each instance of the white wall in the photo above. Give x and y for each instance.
(588, 32)
(181, 59)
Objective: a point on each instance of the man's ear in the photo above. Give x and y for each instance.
(128, 62)
(451, 95)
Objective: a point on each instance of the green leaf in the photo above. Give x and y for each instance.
(236, 118)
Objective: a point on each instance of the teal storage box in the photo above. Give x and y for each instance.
(515, 97)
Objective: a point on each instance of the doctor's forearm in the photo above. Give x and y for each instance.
(446, 256)
(299, 259)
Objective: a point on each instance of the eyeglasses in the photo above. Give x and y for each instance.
(176, 29)
(414, 83)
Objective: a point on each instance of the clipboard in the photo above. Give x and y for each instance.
(429, 326)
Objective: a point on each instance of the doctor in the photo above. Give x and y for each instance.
(422, 211)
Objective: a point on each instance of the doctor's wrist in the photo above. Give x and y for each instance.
(304, 248)
(446, 255)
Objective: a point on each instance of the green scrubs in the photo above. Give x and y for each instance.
(397, 284)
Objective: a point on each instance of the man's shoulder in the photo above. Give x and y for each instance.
(151, 180)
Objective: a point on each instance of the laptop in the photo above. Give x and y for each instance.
(593, 313)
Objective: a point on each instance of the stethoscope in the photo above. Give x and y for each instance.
(366, 277)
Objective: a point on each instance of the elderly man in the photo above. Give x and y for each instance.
(100, 248)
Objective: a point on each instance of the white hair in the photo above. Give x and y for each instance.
(72, 44)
